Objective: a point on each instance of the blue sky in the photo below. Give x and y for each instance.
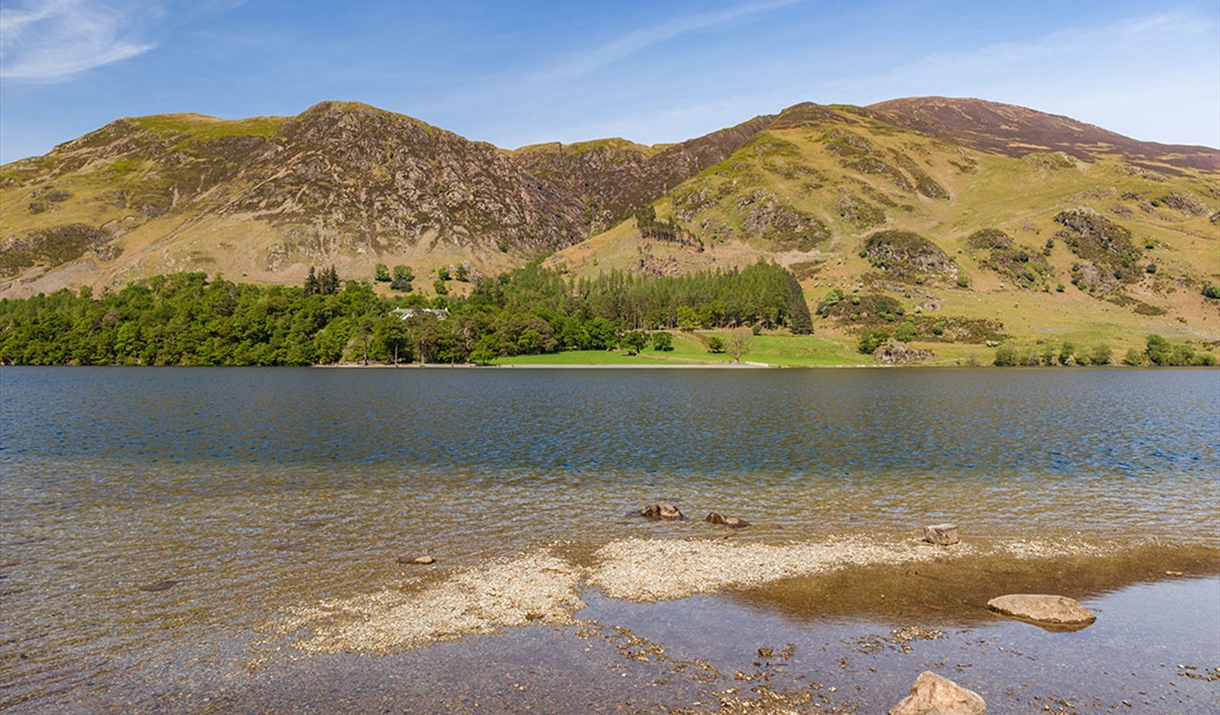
(516, 73)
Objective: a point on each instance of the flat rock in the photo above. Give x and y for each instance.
(942, 534)
(662, 512)
(416, 560)
(729, 521)
(934, 694)
(1043, 609)
(155, 586)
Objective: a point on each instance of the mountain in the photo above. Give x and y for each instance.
(342, 183)
(975, 222)
(982, 220)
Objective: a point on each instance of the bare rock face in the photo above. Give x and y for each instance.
(661, 512)
(942, 534)
(729, 521)
(1044, 610)
(898, 354)
(933, 694)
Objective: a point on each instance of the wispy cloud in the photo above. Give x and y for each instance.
(55, 39)
(622, 47)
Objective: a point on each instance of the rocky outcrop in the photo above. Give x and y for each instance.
(610, 178)
(1049, 611)
(899, 354)
(906, 255)
(934, 694)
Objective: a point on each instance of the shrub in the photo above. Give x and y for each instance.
(1006, 356)
(1158, 350)
(662, 341)
(1134, 358)
(870, 340)
(715, 344)
(963, 282)
(1211, 290)
(1102, 355)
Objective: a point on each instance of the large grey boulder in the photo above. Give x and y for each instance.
(934, 694)
(1043, 609)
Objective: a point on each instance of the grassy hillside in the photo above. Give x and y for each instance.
(853, 203)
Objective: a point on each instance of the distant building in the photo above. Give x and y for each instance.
(438, 313)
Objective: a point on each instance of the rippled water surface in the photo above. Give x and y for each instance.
(254, 490)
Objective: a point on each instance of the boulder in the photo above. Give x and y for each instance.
(1044, 610)
(416, 560)
(941, 534)
(729, 521)
(933, 694)
(664, 512)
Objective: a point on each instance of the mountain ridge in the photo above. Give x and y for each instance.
(346, 184)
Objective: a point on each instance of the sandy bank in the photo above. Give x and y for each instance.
(546, 588)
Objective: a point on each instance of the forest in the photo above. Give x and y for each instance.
(192, 319)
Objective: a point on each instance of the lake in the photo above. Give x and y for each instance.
(160, 527)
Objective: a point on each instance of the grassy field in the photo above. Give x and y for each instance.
(690, 349)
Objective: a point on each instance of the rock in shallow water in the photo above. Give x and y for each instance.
(665, 512)
(936, 694)
(729, 521)
(416, 560)
(941, 534)
(1043, 609)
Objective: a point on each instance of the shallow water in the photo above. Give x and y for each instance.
(254, 491)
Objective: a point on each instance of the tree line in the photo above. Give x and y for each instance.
(192, 319)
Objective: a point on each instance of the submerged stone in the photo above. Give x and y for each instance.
(416, 560)
(729, 521)
(662, 512)
(164, 585)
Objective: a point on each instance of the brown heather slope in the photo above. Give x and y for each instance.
(1016, 131)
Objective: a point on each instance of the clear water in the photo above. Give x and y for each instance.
(258, 489)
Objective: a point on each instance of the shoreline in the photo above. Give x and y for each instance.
(840, 574)
(849, 639)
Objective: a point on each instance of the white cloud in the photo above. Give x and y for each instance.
(54, 39)
(627, 45)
